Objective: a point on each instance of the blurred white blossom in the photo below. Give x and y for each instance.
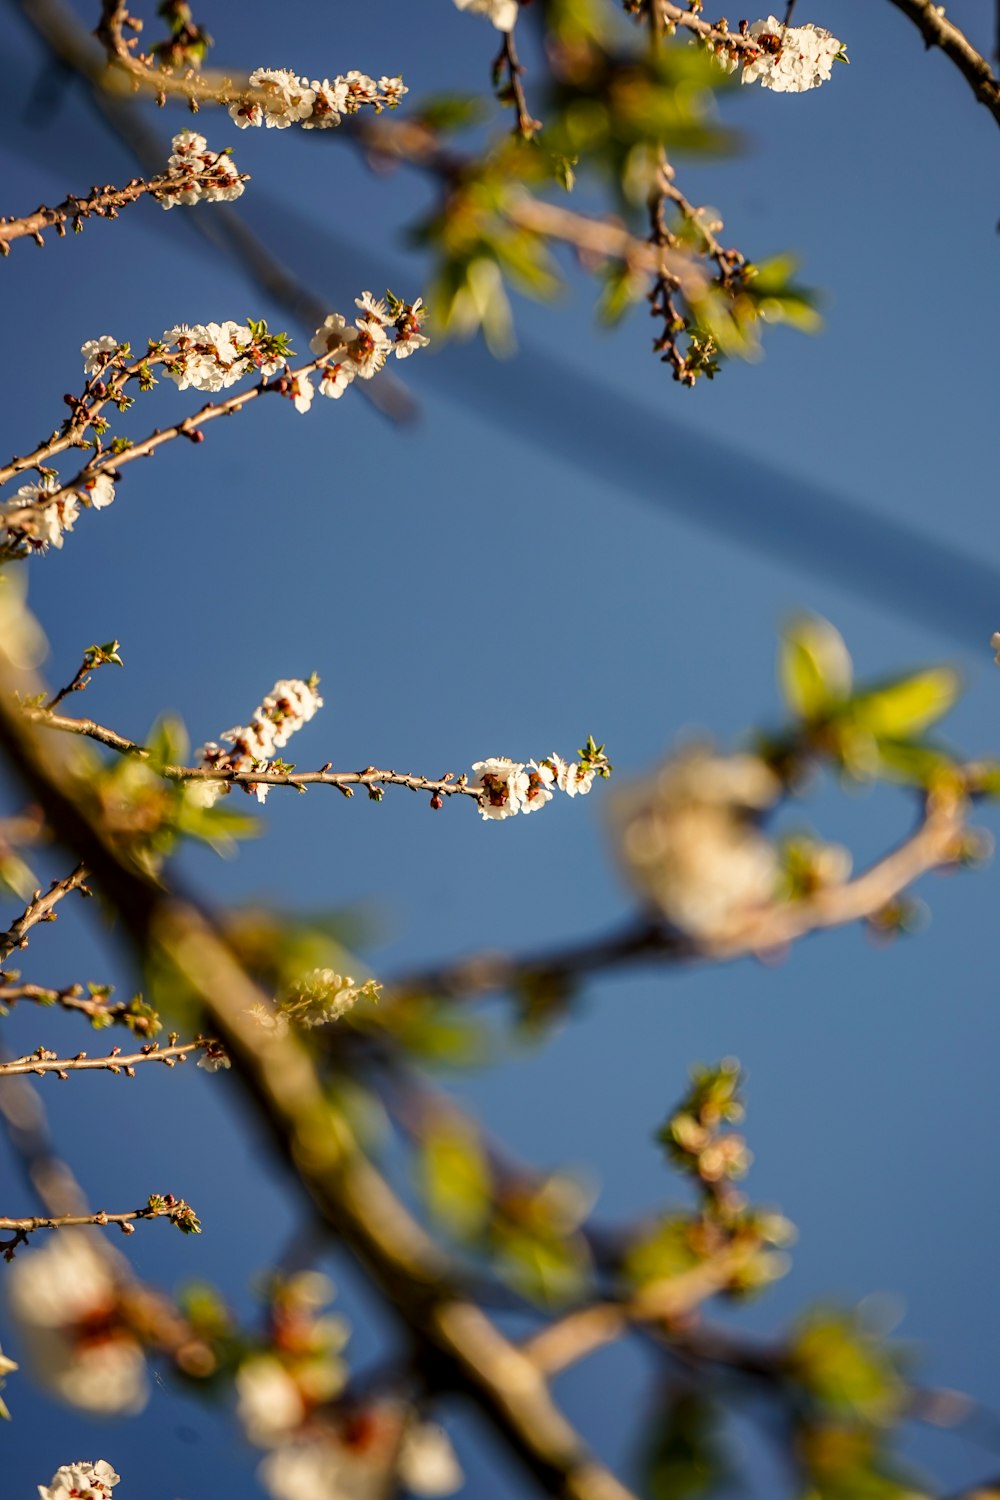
(503, 13)
(688, 843)
(66, 1300)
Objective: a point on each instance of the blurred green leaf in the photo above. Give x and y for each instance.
(814, 668)
(455, 1176)
(843, 1367)
(906, 706)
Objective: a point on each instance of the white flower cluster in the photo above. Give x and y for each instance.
(319, 997)
(688, 842)
(317, 105)
(45, 525)
(81, 1481)
(503, 13)
(324, 1468)
(786, 59)
(290, 704)
(195, 174)
(213, 356)
(507, 786)
(363, 350)
(67, 1302)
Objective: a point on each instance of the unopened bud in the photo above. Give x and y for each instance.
(437, 801)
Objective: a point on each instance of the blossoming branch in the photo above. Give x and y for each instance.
(207, 357)
(194, 174)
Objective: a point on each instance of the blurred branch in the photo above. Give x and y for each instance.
(767, 930)
(41, 908)
(938, 31)
(460, 1348)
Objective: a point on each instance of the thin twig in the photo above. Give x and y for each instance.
(41, 908)
(101, 202)
(508, 61)
(938, 31)
(164, 1206)
(43, 1061)
(446, 786)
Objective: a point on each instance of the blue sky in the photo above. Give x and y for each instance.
(436, 578)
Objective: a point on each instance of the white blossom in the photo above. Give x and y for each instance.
(213, 1058)
(791, 59)
(98, 490)
(65, 1297)
(540, 778)
(408, 335)
(315, 104)
(289, 705)
(503, 13)
(335, 334)
(329, 102)
(96, 351)
(81, 1481)
(195, 174)
(46, 527)
(336, 379)
(502, 785)
(301, 392)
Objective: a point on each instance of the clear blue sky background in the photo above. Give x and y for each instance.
(328, 542)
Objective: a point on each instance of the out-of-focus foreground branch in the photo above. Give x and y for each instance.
(460, 1348)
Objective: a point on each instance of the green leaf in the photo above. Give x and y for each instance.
(814, 668)
(907, 706)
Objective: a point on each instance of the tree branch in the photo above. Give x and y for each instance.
(41, 908)
(461, 1349)
(767, 930)
(938, 31)
(445, 786)
(159, 1207)
(43, 1061)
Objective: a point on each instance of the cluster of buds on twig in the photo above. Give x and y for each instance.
(316, 105)
(290, 704)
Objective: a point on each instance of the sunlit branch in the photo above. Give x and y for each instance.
(158, 1207)
(370, 777)
(102, 203)
(42, 1061)
(72, 997)
(41, 908)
